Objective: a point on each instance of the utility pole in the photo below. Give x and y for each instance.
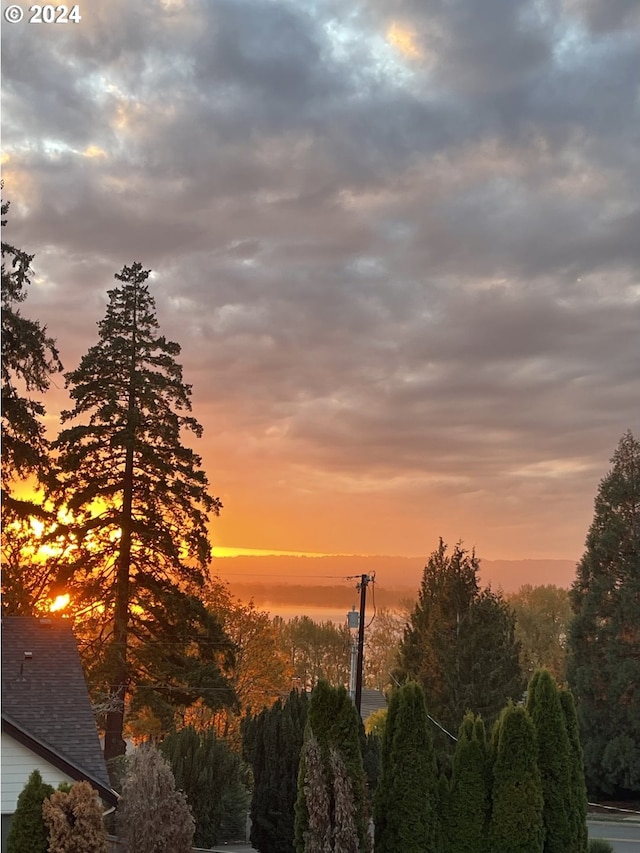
(362, 586)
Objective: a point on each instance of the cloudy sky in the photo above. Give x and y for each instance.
(398, 242)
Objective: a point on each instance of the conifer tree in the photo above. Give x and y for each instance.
(578, 790)
(272, 742)
(460, 643)
(405, 804)
(213, 780)
(545, 710)
(28, 833)
(469, 796)
(516, 824)
(332, 720)
(139, 502)
(29, 358)
(152, 815)
(604, 638)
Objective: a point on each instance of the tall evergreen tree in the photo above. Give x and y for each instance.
(406, 799)
(29, 357)
(139, 502)
(554, 761)
(578, 790)
(469, 795)
(516, 824)
(604, 636)
(460, 643)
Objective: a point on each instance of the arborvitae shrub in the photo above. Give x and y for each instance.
(405, 805)
(152, 815)
(333, 721)
(74, 819)
(469, 796)
(577, 795)
(554, 761)
(272, 742)
(212, 778)
(516, 824)
(28, 832)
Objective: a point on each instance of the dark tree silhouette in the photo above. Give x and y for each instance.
(139, 502)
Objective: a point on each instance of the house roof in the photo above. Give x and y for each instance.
(45, 703)
(370, 701)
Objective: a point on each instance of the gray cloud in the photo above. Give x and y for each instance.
(413, 272)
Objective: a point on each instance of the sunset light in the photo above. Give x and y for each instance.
(60, 603)
(404, 39)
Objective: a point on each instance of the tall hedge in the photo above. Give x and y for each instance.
(467, 813)
(28, 832)
(406, 799)
(272, 742)
(516, 824)
(543, 705)
(578, 791)
(213, 779)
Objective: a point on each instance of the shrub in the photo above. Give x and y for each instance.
(467, 814)
(599, 845)
(554, 763)
(213, 780)
(152, 816)
(516, 816)
(405, 804)
(74, 819)
(28, 830)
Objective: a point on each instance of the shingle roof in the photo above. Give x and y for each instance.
(370, 701)
(44, 697)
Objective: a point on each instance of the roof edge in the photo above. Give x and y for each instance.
(57, 759)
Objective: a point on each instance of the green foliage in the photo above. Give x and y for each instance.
(74, 819)
(516, 824)
(599, 845)
(213, 780)
(332, 721)
(28, 832)
(29, 357)
(316, 651)
(272, 742)
(542, 616)
(139, 501)
(372, 760)
(152, 816)
(554, 761)
(460, 643)
(577, 794)
(604, 638)
(406, 799)
(467, 814)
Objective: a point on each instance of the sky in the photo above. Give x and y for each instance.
(398, 242)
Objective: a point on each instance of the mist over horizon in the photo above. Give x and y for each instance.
(324, 587)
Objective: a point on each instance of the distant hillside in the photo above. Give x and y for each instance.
(324, 581)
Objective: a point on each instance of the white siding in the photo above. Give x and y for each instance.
(17, 763)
